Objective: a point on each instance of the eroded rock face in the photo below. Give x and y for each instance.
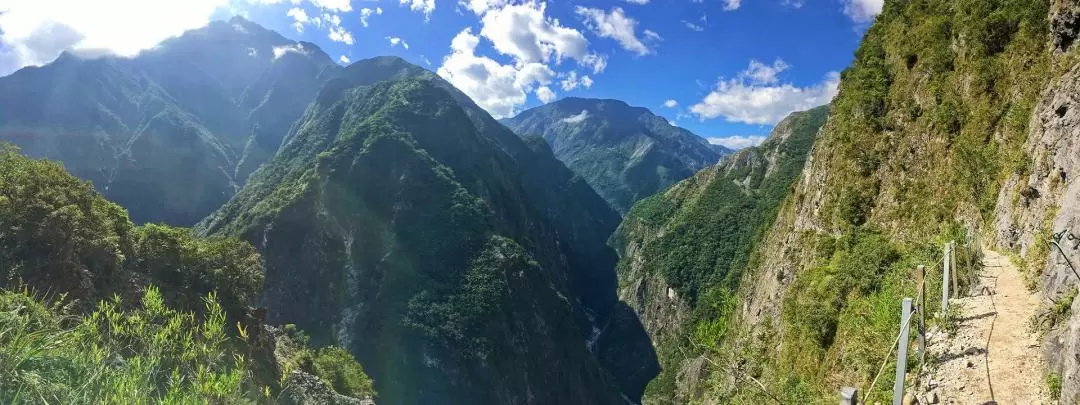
(305, 389)
(1044, 201)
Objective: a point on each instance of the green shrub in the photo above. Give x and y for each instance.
(340, 370)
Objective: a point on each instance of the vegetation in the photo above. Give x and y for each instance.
(625, 153)
(134, 314)
(699, 237)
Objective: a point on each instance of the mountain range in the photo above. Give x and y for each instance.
(625, 153)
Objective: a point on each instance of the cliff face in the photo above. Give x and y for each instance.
(1042, 204)
(457, 261)
(683, 251)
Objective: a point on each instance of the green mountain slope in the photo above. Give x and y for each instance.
(626, 153)
(458, 262)
(683, 251)
(212, 105)
(929, 122)
(97, 310)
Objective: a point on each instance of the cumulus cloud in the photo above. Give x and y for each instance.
(344, 59)
(365, 13)
(756, 95)
(524, 32)
(671, 104)
(576, 119)
(423, 6)
(738, 141)
(36, 31)
(730, 5)
(500, 89)
(616, 25)
(545, 94)
(333, 5)
(572, 81)
(481, 6)
(395, 41)
(638, 1)
(300, 18)
(863, 11)
(337, 33)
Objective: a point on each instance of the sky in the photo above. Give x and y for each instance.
(727, 70)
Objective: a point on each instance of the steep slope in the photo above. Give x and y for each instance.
(626, 153)
(201, 110)
(929, 123)
(97, 310)
(682, 252)
(459, 263)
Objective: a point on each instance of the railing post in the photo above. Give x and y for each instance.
(901, 354)
(952, 269)
(945, 282)
(849, 396)
(922, 317)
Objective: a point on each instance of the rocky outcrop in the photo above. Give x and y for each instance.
(301, 388)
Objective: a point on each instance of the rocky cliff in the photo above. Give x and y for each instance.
(457, 261)
(683, 251)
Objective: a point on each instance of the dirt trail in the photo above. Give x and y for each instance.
(959, 372)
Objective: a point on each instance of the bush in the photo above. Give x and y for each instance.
(340, 370)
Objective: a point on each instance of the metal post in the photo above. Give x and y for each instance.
(901, 355)
(849, 396)
(952, 269)
(922, 317)
(945, 282)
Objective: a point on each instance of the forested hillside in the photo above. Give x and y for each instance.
(212, 104)
(96, 310)
(457, 261)
(625, 153)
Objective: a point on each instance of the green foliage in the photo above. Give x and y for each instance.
(339, 369)
(183, 262)
(149, 354)
(1053, 384)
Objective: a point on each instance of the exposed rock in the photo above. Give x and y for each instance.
(305, 389)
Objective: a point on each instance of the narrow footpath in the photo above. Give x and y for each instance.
(969, 368)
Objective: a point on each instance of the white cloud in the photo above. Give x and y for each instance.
(572, 81)
(730, 5)
(545, 94)
(395, 41)
(336, 33)
(367, 12)
(499, 89)
(738, 141)
(616, 25)
(481, 6)
(524, 32)
(36, 31)
(863, 11)
(671, 103)
(280, 51)
(343, 59)
(576, 119)
(299, 18)
(693, 26)
(794, 3)
(756, 96)
(638, 1)
(333, 5)
(424, 6)
(426, 60)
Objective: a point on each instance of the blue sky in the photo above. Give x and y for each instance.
(721, 68)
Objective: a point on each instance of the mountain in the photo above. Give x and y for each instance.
(459, 262)
(684, 251)
(625, 153)
(953, 122)
(212, 104)
(98, 310)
